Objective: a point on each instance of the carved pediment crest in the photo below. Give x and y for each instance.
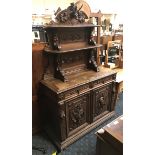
(76, 13)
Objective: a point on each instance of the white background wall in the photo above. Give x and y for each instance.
(106, 6)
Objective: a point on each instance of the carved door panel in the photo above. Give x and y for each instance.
(102, 98)
(77, 111)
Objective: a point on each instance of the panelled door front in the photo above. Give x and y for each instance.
(101, 101)
(77, 111)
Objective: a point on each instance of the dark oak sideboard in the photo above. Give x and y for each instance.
(76, 94)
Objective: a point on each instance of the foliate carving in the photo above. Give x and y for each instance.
(77, 113)
(71, 15)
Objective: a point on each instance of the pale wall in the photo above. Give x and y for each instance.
(106, 6)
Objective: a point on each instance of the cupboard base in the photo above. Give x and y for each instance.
(63, 145)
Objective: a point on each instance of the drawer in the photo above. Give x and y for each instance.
(73, 92)
(103, 81)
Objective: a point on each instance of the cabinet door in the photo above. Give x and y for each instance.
(77, 111)
(102, 98)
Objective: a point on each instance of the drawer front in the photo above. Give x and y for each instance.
(85, 88)
(73, 92)
(103, 81)
(101, 101)
(77, 111)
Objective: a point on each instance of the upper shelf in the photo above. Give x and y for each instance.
(70, 26)
(47, 49)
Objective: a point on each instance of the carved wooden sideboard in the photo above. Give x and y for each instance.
(76, 95)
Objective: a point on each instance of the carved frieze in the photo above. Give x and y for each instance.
(69, 36)
(74, 70)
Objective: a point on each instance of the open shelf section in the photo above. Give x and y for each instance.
(48, 50)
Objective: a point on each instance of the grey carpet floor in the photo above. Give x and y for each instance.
(84, 146)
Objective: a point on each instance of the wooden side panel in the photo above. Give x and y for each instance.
(37, 74)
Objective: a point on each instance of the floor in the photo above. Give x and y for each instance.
(84, 146)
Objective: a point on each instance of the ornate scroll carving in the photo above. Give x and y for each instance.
(59, 73)
(92, 62)
(77, 114)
